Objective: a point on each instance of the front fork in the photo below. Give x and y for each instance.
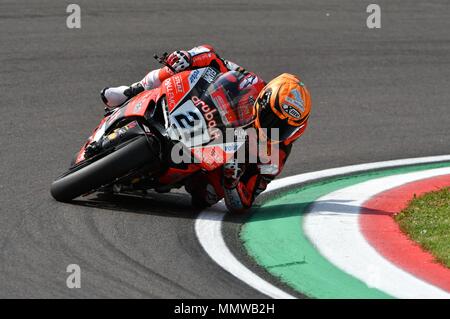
(121, 136)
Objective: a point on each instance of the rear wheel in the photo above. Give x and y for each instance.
(106, 170)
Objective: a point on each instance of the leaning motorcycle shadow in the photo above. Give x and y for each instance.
(160, 204)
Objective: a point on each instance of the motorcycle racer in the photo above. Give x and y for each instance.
(284, 103)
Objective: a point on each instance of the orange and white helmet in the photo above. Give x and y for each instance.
(284, 103)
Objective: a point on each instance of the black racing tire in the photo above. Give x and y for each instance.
(133, 155)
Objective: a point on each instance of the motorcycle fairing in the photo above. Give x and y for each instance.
(188, 99)
(137, 107)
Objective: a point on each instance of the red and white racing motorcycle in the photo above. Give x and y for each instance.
(137, 146)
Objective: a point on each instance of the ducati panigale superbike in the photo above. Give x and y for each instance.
(136, 146)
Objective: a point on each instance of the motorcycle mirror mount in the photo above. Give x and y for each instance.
(163, 61)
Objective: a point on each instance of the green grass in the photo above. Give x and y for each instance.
(427, 221)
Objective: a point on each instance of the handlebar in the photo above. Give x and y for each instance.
(163, 61)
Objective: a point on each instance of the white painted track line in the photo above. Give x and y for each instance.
(209, 231)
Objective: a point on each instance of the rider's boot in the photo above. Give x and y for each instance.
(117, 96)
(202, 193)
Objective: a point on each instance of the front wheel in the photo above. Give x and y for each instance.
(106, 170)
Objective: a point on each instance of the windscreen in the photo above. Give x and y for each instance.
(232, 99)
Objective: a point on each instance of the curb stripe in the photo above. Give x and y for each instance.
(273, 237)
(332, 224)
(209, 230)
(384, 234)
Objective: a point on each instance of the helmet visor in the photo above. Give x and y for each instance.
(274, 128)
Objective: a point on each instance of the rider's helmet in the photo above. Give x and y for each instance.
(284, 103)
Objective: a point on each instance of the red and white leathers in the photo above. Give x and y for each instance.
(200, 57)
(237, 184)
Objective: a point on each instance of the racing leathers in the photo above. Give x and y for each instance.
(198, 57)
(237, 183)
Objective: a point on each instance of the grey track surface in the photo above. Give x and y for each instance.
(377, 95)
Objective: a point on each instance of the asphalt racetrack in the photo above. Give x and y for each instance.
(377, 95)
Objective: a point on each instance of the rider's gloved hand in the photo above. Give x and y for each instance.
(179, 60)
(232, 172)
